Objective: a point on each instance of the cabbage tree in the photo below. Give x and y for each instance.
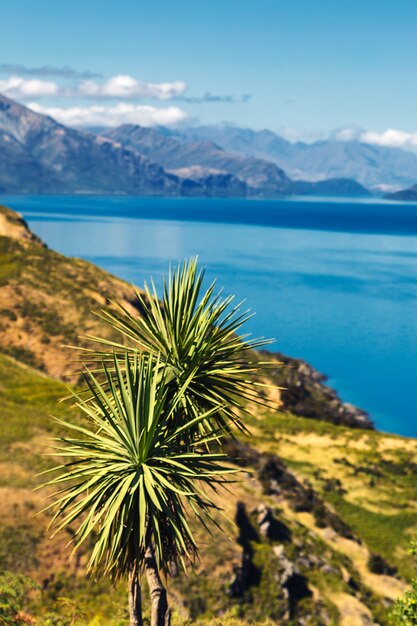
(181, 376)
(130, 483)
(197, 334)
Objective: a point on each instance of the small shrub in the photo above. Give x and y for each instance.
(404, 612)
(14, 589)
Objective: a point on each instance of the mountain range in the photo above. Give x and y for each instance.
(39, 155)
(371, 165)
(185, 155)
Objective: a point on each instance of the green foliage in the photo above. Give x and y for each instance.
(23, 394)
(11, 259)
(14, 589)
(18, 545)
(228, 619)
(404, 612)
(198, 337)
(129, 475)
(380, 531)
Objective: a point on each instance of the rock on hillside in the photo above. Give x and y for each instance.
(13, 225)
(305, 393)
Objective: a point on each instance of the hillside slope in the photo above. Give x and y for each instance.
(318, 507)
(46, 299)
(302, 542)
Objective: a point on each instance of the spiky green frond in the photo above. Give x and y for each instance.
(198, 335)
(127, 476)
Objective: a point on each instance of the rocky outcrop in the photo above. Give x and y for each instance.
(294, 585)
(304, 393)
(291, 586)
(246, 574)
(13, 226)
(270, 527)
(277, 480)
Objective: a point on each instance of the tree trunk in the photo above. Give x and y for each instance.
(135, 601)
(160, 614)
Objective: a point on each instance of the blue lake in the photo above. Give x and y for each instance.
(334, 282)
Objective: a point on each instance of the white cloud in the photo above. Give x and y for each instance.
(17, 87)
(122, 86)
(347, 133)
(391, 137)
(121, 113)
(125, 86)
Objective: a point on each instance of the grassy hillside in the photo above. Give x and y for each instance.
(317, 528)
(46, 299)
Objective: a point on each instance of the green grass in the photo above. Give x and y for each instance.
(285, 423)
(383, 534)
(28, 400)
(12, 260)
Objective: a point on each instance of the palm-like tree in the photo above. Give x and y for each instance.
(129, 478)
(181, 376)
(197, 335)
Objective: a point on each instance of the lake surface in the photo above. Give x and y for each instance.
(334, 282)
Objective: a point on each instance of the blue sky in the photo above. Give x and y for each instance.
(302, 67)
